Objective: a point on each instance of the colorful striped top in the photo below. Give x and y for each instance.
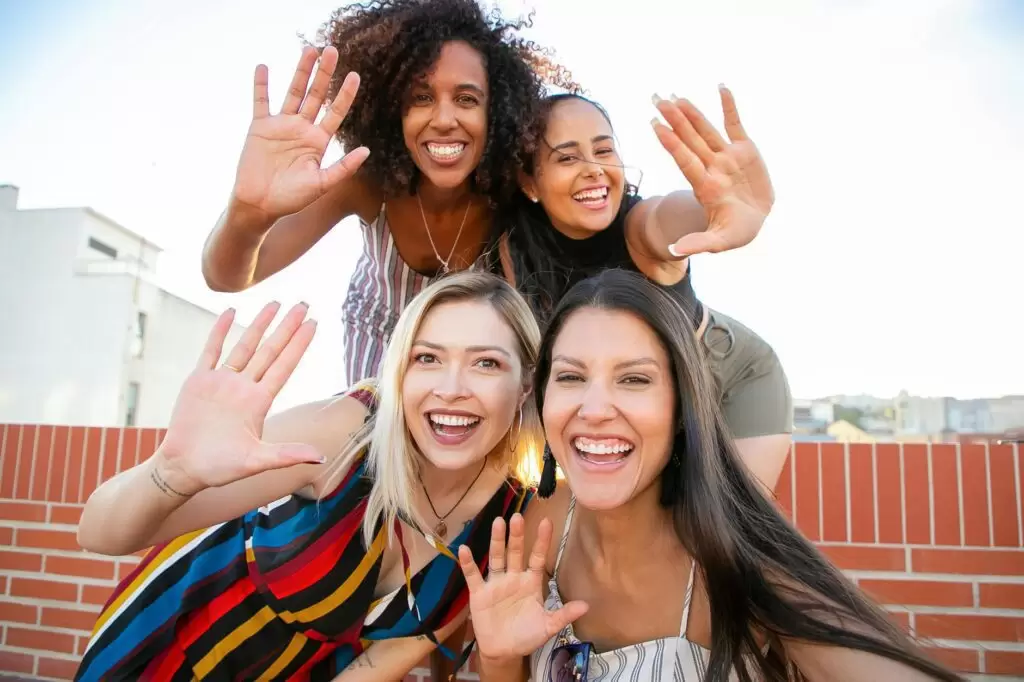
(285, 592)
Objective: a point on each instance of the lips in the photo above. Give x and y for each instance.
(602, 451)
(452, 428)
(445, 153)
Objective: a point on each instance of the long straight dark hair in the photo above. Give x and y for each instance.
(760, 573)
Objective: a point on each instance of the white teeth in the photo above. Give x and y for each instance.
(602, 447)
(591, 194)
(445, 151)
(453, 420)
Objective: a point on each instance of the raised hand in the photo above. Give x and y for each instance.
(728, 178)
(279, 170)
(507, 609)
(214, 435)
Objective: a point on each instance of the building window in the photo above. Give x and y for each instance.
(105, 249)
(139, 342)
(131, 413)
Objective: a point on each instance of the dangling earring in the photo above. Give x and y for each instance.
(512, 445)
(546, 488)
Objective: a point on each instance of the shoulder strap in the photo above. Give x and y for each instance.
(565, 534)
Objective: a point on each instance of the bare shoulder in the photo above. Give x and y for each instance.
(554, 509)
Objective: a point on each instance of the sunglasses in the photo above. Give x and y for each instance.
(570, 662)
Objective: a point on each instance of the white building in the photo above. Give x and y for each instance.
(86, 336)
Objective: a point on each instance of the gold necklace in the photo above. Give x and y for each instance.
(444, 263)
(441, 528)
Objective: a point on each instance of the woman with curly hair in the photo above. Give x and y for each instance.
(448, 93)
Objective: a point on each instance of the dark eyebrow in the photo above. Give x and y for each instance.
(469, 349)
(622, 365)
(574, 143)
(473, 87)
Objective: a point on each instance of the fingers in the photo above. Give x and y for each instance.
(297, 89)
(215, 341)
(688, 163)
(699, 242)
(684, 130)
(345, 167)
(338, 110)
(321, 82)
(281, 369)
(496, 552)
(733, 126)
(243, 351)
(260, 93)
(703, 127)
(539, 553)
(560, 618)
(469, 569)
(273, 346)
(516, 544)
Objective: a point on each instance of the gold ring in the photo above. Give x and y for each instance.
(231, 367)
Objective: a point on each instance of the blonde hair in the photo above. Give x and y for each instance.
(391, 456)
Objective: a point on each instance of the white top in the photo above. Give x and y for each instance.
(672, 659)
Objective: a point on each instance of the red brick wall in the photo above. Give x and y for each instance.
(933, 531)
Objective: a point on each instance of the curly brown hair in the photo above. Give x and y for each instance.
(391, 43)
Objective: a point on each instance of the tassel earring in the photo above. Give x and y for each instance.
(671, 477)
(546, 488)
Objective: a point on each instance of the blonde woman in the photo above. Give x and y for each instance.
(286, 551)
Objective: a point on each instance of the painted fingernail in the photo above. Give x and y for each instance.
(675, 98)
(303, 304)
(656, 99)
(673, 251)
(655, 122)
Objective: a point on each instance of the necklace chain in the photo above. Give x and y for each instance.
(444, 262)
(441, 528)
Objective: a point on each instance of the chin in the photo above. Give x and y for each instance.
(603, 491)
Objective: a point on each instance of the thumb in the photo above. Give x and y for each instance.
(560, 618)
(281, 455)
(694, 243)
(345, 167)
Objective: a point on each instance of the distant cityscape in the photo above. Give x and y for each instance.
(909, 418)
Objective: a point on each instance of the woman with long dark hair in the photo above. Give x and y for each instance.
(578, 215)
(672, 565)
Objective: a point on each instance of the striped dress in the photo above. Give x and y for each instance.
(285, 592)
(380, 288)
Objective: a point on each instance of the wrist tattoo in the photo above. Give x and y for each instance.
(164, 487)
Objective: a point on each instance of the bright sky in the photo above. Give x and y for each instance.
(893, 132)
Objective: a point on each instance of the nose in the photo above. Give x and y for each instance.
(444, 116)
(596, 405)
(593, 168)
(451, 386)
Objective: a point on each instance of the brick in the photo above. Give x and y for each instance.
(82, 643)
(33, 588)
(40, 640)
(14, 662)
(57, 464)
(3, 584)
(970, 627)
(9, 463)
(34, 512)
(1004, 662)
(833, 486)
(784, 488)
(26, 453)
(916, 491)
(91, 467)
(968, 561)
(20, 561)
(47, 539)
(1004, 496)
(975, 484)
(76, 466)
(13, 612)
(60, 668)
(96, 594)
(129, 449)
(961, 660)
(901, 618)
(68, 618)
(808, 491)
(102, 569)
(1001, 596)
(919, 592)
(147, 444)
(6, 536)
(866, 558)
(124, 568)
(111, 453)
(41, 462)
(862, 493)
(890, 493)
(65, 514)
(947, 494)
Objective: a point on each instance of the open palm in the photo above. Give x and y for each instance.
(279, 170)
(729, 179)
(215, 430)
(507, 609)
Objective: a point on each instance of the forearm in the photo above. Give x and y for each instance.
(673, 217)
(123, 514)
(503, 669)
(232, 250)
(392, 659)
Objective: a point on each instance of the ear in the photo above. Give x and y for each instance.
(527, 185)
(527, 388)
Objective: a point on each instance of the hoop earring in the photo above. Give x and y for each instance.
(519, 432)
(546, 487)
